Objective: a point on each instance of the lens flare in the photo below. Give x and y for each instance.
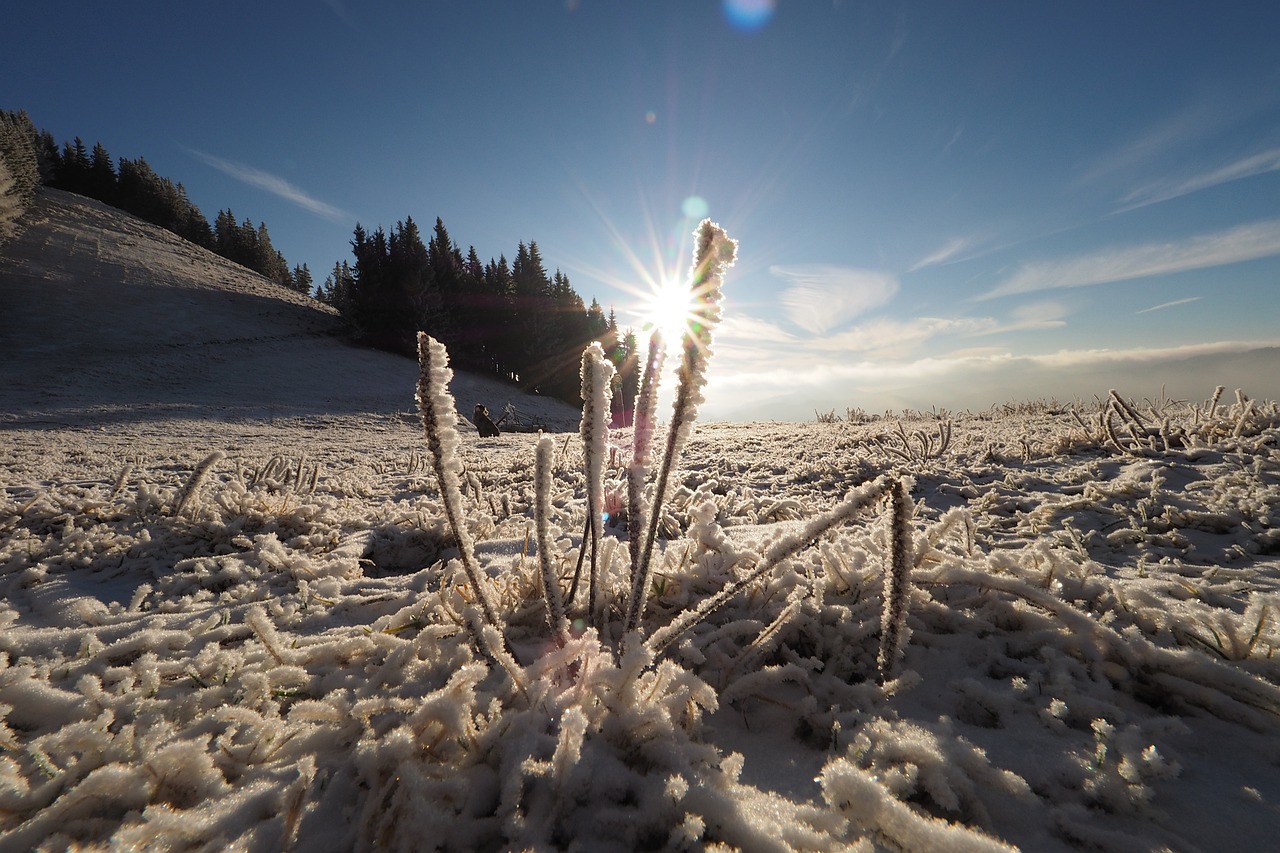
(749, 15)
(695, 207)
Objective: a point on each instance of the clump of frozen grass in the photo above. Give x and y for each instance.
(714, 253)
(893, 626)
(917, 446)
(1171, 426)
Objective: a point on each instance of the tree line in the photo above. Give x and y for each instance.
(507, 319)
(134, 187)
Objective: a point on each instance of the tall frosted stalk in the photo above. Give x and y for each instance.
(641, 449)
(597, 380)
(439, 414)
(893, 621)
(713, 254)
(542, 520)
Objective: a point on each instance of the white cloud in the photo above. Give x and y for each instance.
(1193, 122)
(897, 337)
(821, 297)
(1243, 243)
(945, 253)
(750, 330)
(1247, 167)
(1036, 315)
(1164, 305)
(270, 183)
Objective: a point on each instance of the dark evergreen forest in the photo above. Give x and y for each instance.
(504, 318)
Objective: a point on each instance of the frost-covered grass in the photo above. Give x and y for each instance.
(1089, 658)
(254, 633)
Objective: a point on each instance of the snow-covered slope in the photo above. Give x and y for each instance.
(231, 620)
(107, 318)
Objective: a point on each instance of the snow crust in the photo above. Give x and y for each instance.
(231, 608)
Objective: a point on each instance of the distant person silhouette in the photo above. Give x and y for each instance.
(488, 429)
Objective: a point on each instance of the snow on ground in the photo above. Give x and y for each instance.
(231, 606)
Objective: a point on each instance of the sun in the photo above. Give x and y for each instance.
(669, 308)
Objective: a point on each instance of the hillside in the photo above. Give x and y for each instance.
(107, 319)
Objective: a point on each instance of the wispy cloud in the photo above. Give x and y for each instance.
(1243, 243)
(821, 297)
(1211, 113)
(1164, 305)
(740, 327)
(897, 338)
(955, 137)
(1246, 167)
(762, 341)
(1194, 121)
(1037, 315)
(947, 252)
(270, 183)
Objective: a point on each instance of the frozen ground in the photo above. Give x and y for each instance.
(264, 651)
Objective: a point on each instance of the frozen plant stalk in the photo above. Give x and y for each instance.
(439, 414)
(542, 521)
(713, 254)
(597, 379)
(197, 478)
(893, 621)
(641, 448)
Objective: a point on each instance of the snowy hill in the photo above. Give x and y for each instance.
(107, 318)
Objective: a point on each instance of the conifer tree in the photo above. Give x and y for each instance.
(101, 181)
(73, 167)
(301, 280)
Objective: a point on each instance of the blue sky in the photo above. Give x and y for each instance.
(939, 204)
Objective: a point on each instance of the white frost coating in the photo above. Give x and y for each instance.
(871, 808)
(597, 378)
